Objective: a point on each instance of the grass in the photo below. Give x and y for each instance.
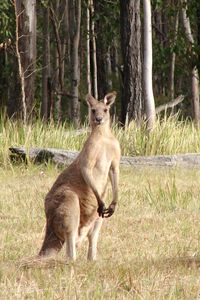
(149, 249)
(169, 136)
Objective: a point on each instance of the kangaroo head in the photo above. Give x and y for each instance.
(99, 110)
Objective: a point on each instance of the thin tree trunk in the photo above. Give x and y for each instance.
(45, 109)
(115, 59)
(195, 94)
(21, 73)
(147, 71)
(109, 70)
(88, 51)
(95, 86)
(131, 105)
(75, 64)
(25, 11)
(194, 73)
(60, 55)
(172, 71)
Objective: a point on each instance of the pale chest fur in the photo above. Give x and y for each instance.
(106, 150)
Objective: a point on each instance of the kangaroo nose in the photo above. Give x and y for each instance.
(99, 119)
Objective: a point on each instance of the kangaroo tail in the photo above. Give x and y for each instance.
(51, 244)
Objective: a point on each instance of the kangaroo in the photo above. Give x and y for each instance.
(74, 206)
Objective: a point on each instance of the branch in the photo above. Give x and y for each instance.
(64, 93)
(170, 104)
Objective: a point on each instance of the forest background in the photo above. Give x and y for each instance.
(52, 53)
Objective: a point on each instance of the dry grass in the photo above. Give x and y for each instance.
(169, 136)
(148, 250)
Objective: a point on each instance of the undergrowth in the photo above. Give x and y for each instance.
(170, 136)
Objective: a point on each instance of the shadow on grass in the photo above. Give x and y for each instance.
(42, 263)
(175, 262)
(165, 263)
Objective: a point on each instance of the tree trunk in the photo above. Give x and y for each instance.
(26, 52)
(131, 105)
(61, 38)
(76, 20)
(108, 70)
(94, 53)
(194, 73)
(115, 58)
(172, 69)
(46, 90)
(147, 69)
(89, 88)
(195, 95)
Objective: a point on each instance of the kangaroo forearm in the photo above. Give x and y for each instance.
(91, 183)
(115, 198)
(114, 178)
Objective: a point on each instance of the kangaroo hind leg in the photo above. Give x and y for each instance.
(72, 220)
(93, 236)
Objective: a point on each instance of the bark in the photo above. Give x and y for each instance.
(94, 53)
(46, 85)
(26, 52)
(89, 87)
(108, 70)
(195, 95)
(198, 34)
(160, 27)
(147, 69)
(194, 72)
(75, 38)
(115, 58)
(61, 37)
(131, 104)
(172, 69)
(103, 52)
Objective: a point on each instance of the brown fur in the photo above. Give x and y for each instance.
(74, 206)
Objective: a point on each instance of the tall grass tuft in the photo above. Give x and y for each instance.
(169, 136)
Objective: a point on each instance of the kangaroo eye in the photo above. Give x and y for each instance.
(93, 111)
(105, 110)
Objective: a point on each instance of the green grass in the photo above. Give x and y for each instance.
(169, 136)
(149, 249)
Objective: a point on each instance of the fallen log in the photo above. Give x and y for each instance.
(65, 157)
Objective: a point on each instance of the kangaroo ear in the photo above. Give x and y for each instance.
(90, 100)
(109, 99)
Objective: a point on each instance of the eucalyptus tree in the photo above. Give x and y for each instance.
(131, 105)
(75, 21)
(25, 13)
(194, 72)
(147, 69)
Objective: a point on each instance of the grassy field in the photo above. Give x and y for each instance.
(149, 249)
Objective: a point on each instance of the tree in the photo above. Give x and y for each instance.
(94, 51)
(147, 69)
(194, 73)
(131, 105)
(46, 84)
(75, 21)
(25, 11)
(89, 85)
(9, 88)
(173, 58)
